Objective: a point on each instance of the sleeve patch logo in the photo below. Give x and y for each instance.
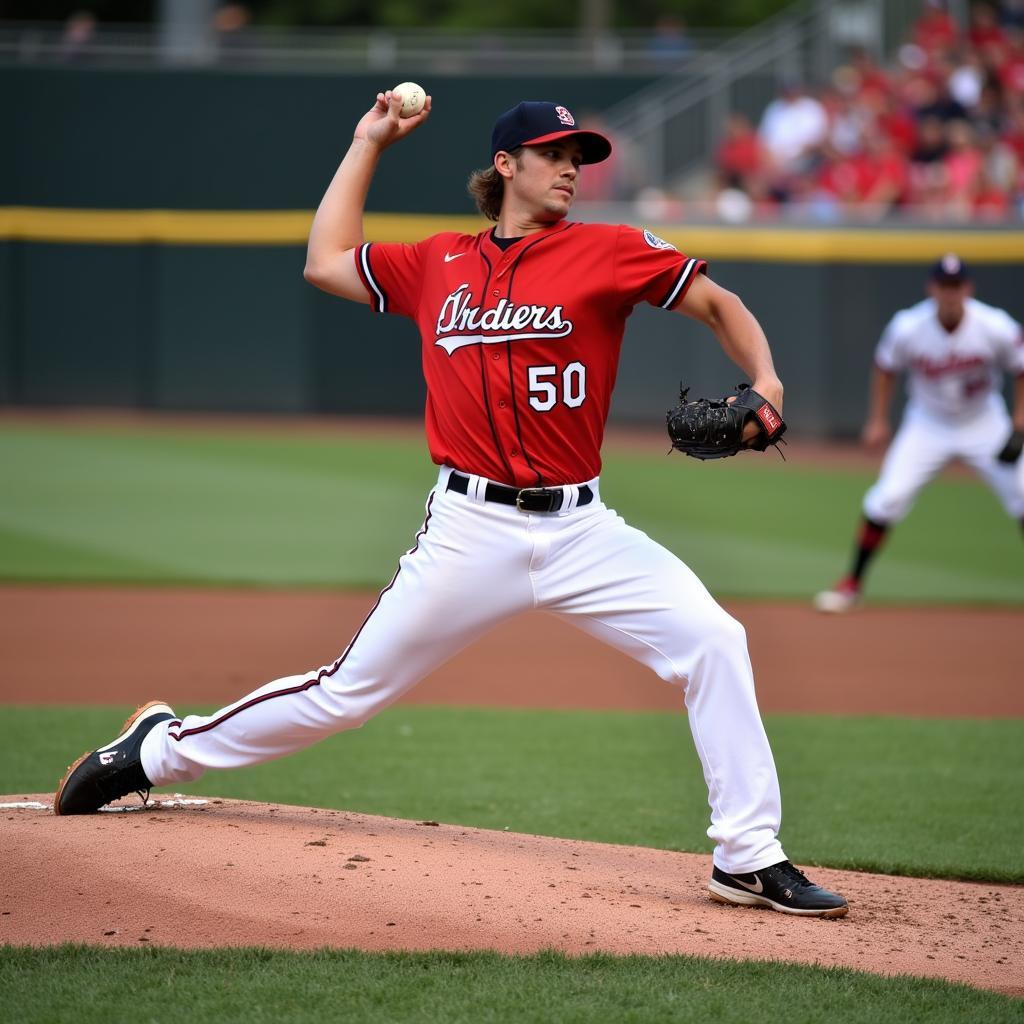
(655, 242)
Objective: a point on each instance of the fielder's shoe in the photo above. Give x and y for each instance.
(841, 598)
(781, 887)
(114, 770)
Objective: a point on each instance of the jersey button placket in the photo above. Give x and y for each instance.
(501, 400)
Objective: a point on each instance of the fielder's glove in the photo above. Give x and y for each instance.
(1011, 450)
(713, 428)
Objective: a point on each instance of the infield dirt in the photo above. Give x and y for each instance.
(238, 873)
(72, 645)
(231, 873)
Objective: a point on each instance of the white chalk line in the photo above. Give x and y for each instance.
(153, 805)
(34, 805)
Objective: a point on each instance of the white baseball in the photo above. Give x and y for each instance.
(413, 98)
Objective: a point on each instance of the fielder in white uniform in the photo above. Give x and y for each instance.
(954, 350)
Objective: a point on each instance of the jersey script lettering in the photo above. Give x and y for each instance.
(458, 315)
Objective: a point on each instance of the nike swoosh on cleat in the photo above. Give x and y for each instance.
(448, 257)
(757, 887)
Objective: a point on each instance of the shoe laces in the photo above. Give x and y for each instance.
(793, 873)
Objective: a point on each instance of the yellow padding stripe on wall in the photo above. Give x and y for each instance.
(201, 227)
(291, 227)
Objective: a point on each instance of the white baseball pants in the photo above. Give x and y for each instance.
(475, 563)
(924, 444)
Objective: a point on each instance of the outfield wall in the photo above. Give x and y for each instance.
(152, 234)
(177, 325)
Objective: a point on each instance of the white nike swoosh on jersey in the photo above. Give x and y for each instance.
(448, 257)
(755, 888)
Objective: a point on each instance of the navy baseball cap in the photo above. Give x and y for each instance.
(950, 269)
(532, 122)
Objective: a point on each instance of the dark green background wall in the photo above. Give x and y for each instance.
(247, 141)
(236, 328)
(200, 327)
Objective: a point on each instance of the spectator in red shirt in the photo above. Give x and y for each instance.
(991, 203)
(984, 28)
(1013, 137)
(843, 176)
(886, 176)
(1011, 70)
(963, 165)
(891, 118)
(740, 156)
(870, 77)
(935, 31)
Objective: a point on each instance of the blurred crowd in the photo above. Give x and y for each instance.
(937, 135)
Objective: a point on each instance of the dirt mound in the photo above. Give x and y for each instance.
(189, 873)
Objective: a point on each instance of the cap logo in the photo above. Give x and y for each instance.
(950, 264)
(565, 117)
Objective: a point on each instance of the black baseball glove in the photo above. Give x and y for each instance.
(1011, 450)
(713, 428)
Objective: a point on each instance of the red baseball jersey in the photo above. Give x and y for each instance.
(521, 346)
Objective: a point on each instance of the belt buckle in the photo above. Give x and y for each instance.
(553, 495)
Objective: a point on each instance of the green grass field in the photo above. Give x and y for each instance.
(900, 796)
(264, 509)
(903, 796)
(255, 986)
(259, 508)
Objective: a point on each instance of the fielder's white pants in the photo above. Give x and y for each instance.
(476, 563)
(924, 444)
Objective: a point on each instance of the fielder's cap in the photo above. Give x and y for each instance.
(950, 269)
(532, 122)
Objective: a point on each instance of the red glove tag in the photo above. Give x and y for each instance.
(770, 422)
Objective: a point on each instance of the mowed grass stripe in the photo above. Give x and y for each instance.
(257, 508)
(201, 509)
(97, 986)
(932, 798)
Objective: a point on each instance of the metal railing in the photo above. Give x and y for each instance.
(439, 51)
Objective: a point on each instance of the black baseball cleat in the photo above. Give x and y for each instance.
(112, 771)
(781, 887)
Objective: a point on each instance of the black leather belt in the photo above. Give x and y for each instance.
(527, 499)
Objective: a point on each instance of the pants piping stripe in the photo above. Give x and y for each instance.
(324, 673)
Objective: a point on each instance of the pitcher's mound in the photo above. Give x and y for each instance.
(201, 872)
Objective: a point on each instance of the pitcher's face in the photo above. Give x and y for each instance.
(544, 178)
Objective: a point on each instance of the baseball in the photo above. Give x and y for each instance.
(413, 98)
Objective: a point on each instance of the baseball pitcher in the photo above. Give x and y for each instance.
(520, 329)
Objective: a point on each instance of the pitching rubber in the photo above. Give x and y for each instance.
(126, 731)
